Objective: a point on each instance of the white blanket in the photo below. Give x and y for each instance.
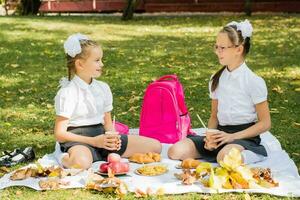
(283, 168)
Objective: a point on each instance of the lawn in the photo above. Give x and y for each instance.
(135, 53)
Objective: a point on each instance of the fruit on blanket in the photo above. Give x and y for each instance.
(113, 158)
(114, 164)
(125, 167)
(115, 167)
(119, 167)
(103, 167)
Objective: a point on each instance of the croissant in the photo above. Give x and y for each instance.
(145, 158)
(190, 163)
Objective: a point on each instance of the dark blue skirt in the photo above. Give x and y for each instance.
(251, 144)
(92, 131)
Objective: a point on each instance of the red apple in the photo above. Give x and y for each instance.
(125, 167)
(113, 158)
(103, 167)
(115, 167)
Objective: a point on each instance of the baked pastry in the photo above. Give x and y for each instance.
(145, 158)
(190, 163)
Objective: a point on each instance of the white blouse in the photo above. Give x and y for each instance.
(82, 103)
(237, 93)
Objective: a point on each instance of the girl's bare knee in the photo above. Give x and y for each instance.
(220, 156)
(226, 149)
(174, 153)
(157, 146)
(82, 162)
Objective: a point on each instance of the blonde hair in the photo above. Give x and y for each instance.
(85, 46)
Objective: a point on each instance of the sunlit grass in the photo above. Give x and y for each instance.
(135, 53)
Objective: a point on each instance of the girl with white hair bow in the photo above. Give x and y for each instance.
(83, 108)
(239, 106)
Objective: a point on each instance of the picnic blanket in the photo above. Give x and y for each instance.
(283, 169)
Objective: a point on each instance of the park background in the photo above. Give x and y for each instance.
(137, 52)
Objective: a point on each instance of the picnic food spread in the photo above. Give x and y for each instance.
(231, 175)
(38, 171)
(145, 158)
(109, 184)
(152, 170)
(51, 176)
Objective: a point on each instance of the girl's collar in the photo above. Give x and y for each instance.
(81, 83)
(237, 70)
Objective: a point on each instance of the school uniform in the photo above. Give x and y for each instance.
(84, 105)
(237, 93)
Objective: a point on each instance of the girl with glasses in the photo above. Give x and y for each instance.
(239, 106)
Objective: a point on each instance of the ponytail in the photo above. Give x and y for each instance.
(215, 79)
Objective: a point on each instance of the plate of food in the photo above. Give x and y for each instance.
(144, 158)
(114, 165)
(151, 170)
(188, 164)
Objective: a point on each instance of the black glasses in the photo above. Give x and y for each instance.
(222, 49)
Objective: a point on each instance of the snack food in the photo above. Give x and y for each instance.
(190, 163)
(151, 170)
(145, 158)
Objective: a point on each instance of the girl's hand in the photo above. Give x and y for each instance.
(110, 142)
(222, 138)
(208, 145)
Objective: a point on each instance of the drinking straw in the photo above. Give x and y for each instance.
(201, 121)
(114, 123)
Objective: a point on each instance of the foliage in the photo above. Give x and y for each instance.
(136, 52)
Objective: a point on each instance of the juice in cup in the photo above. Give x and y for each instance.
(113, 132)
(209, 132)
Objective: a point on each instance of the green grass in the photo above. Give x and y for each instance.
(136, 52)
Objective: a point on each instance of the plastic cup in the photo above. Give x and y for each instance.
(209, 133)
(114, 133)
(111, 132)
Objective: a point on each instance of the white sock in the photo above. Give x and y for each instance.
(251, 157)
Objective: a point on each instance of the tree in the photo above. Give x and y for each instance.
(129, 9)
(248, 7)
(29, 7)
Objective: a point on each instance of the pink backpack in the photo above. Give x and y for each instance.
(121, 128)
(164, 115)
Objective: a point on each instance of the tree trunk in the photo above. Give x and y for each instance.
(248, 9)
(29, 7)
(129, 9)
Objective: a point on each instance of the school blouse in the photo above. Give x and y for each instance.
(237, 93)
(83, 104)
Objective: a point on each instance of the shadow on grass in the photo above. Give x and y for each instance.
(32, 62)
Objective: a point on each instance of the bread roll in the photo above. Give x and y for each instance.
(145, 158)
(190, 163)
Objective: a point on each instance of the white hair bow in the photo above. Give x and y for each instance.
(245, 27)
(72, 44)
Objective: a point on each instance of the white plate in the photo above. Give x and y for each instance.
(106, 174)
(138, 173)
